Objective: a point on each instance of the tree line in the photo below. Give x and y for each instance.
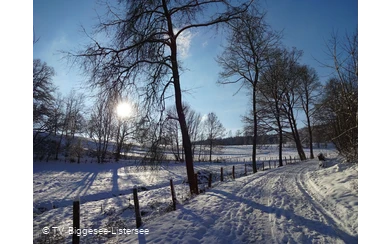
(141, 58)
(65, 127)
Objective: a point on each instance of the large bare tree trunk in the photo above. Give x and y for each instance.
(310, 136)
(179, 105)
(254, 143)
(297, 140)
(185, 136)
(280, 133)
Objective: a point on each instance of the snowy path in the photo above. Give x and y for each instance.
(275, 206)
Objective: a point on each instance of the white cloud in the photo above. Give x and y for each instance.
(184, 43)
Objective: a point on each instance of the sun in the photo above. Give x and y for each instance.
(124, 110)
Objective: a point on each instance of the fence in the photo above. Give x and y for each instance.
(238, 159)
(202, 178)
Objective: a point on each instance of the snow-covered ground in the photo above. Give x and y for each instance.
(298, 203)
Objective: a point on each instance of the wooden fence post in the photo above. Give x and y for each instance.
(221, 173)
(210, 179)
(173, 194)
(234, 177)
(136, 208)
(76, 221)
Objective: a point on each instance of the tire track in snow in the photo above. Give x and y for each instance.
(324, 207)
(257, 199)
(269, 208)
(303, 212)
(293, 215)
(244, 215)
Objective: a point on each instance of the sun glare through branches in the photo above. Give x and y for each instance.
(124, 110)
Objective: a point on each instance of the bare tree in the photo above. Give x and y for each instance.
(270, 99)
(44, 109)
(76, 149)
(150, 132)
(309, 91)
(214, 130)
(124, 130)
(245, 58)
(290, 78)
(100, 127)
(143, 53)
(340, 99)
(57, 122)
(43, 89)
(73, 119)
(194, 126)
(173, 129)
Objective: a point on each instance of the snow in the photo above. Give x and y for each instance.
(296, 203)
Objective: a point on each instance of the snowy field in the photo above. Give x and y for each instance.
(299, 203)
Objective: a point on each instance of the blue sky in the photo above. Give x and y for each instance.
(306, 24)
